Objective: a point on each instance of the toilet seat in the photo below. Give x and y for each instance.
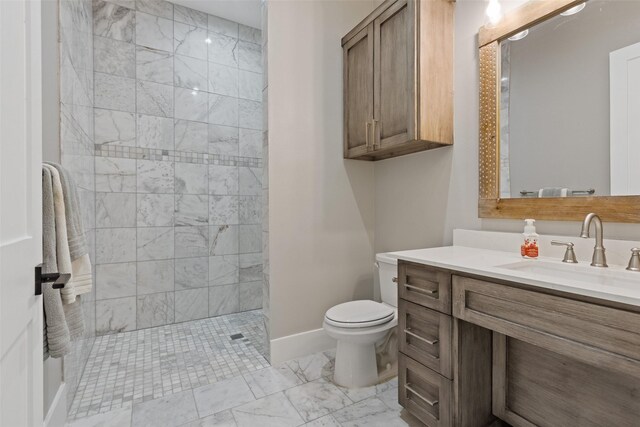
(359, 314)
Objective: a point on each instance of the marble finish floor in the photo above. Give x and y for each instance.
(294, 393)
(136, 368)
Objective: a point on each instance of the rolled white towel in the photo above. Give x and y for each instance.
(62, 243)
(553, 192)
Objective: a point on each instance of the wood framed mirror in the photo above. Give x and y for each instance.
(520, 203)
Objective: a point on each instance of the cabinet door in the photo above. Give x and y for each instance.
(394, 92)
(358, 93)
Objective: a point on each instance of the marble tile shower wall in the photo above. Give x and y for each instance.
(77, 150)
(266, 306)
(178, 166)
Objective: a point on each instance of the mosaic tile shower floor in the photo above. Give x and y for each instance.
(133, 367)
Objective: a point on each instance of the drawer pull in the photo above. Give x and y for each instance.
(411, 334)
(424, 291)
(421, 397)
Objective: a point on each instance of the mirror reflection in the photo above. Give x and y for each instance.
(570, 104)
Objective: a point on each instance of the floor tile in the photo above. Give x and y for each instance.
(143, 365)
(360, 394)
(326, 421)
(390, 398)
(270, 411)
(271, 380)
(168, 411)
(309, 368)
(221, 419)
(316, 399)
(371, 413)
(118, 418)
(222, 395)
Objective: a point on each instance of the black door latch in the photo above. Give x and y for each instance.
(59, 280)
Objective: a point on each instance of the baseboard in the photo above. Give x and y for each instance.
(298, 345)
(57, 415)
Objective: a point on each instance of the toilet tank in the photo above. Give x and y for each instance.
(387, 272)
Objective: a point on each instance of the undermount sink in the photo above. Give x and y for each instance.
(576, 273)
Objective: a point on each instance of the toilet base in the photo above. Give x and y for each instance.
(355, 365)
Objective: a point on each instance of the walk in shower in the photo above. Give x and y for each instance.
(161, 124)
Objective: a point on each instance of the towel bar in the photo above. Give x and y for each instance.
(590, 191)
(59, 280)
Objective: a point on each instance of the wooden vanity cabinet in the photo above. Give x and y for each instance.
(444, 364)
(398, 80)
(472, 349)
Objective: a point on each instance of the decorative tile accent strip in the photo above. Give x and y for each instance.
(102, 150)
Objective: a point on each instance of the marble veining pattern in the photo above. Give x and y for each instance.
(114, 127)
(155, 210)
(113, 21)
(154, 32)
(154, 132)
(190, 16)
(154, 65)
(271, 396)
(190, 73)
(114, 57)
(114, 92)
(223, 26)
(189, 40)
(192, 273)
(154, 99)
(160, 8)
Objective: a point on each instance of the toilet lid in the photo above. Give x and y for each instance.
(359, 314)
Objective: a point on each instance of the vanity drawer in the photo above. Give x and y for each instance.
(424, 393)
(590, 332)
(425, 285)
(425, 335)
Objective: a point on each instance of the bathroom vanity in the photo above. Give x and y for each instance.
(485, 335)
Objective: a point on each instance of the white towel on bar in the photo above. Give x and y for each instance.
(62, 243)
(71, 305)
(56, 337)
(81, 276)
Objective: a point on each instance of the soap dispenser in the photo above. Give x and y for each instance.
(529, 248)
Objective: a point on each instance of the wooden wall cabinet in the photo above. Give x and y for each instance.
(398, 80)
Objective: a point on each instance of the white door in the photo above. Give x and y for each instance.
(20, 213)
(624, 67)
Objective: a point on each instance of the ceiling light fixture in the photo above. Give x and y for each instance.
(519, 36)
(574, 9)
(494, 12)
(207, 40)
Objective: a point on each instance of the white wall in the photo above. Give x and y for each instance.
(422, 197)
(321, 207)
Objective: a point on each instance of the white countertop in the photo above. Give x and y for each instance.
(613, 283)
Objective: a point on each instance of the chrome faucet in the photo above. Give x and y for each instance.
(599, 259)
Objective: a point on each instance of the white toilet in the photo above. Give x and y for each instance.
(358, 325)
